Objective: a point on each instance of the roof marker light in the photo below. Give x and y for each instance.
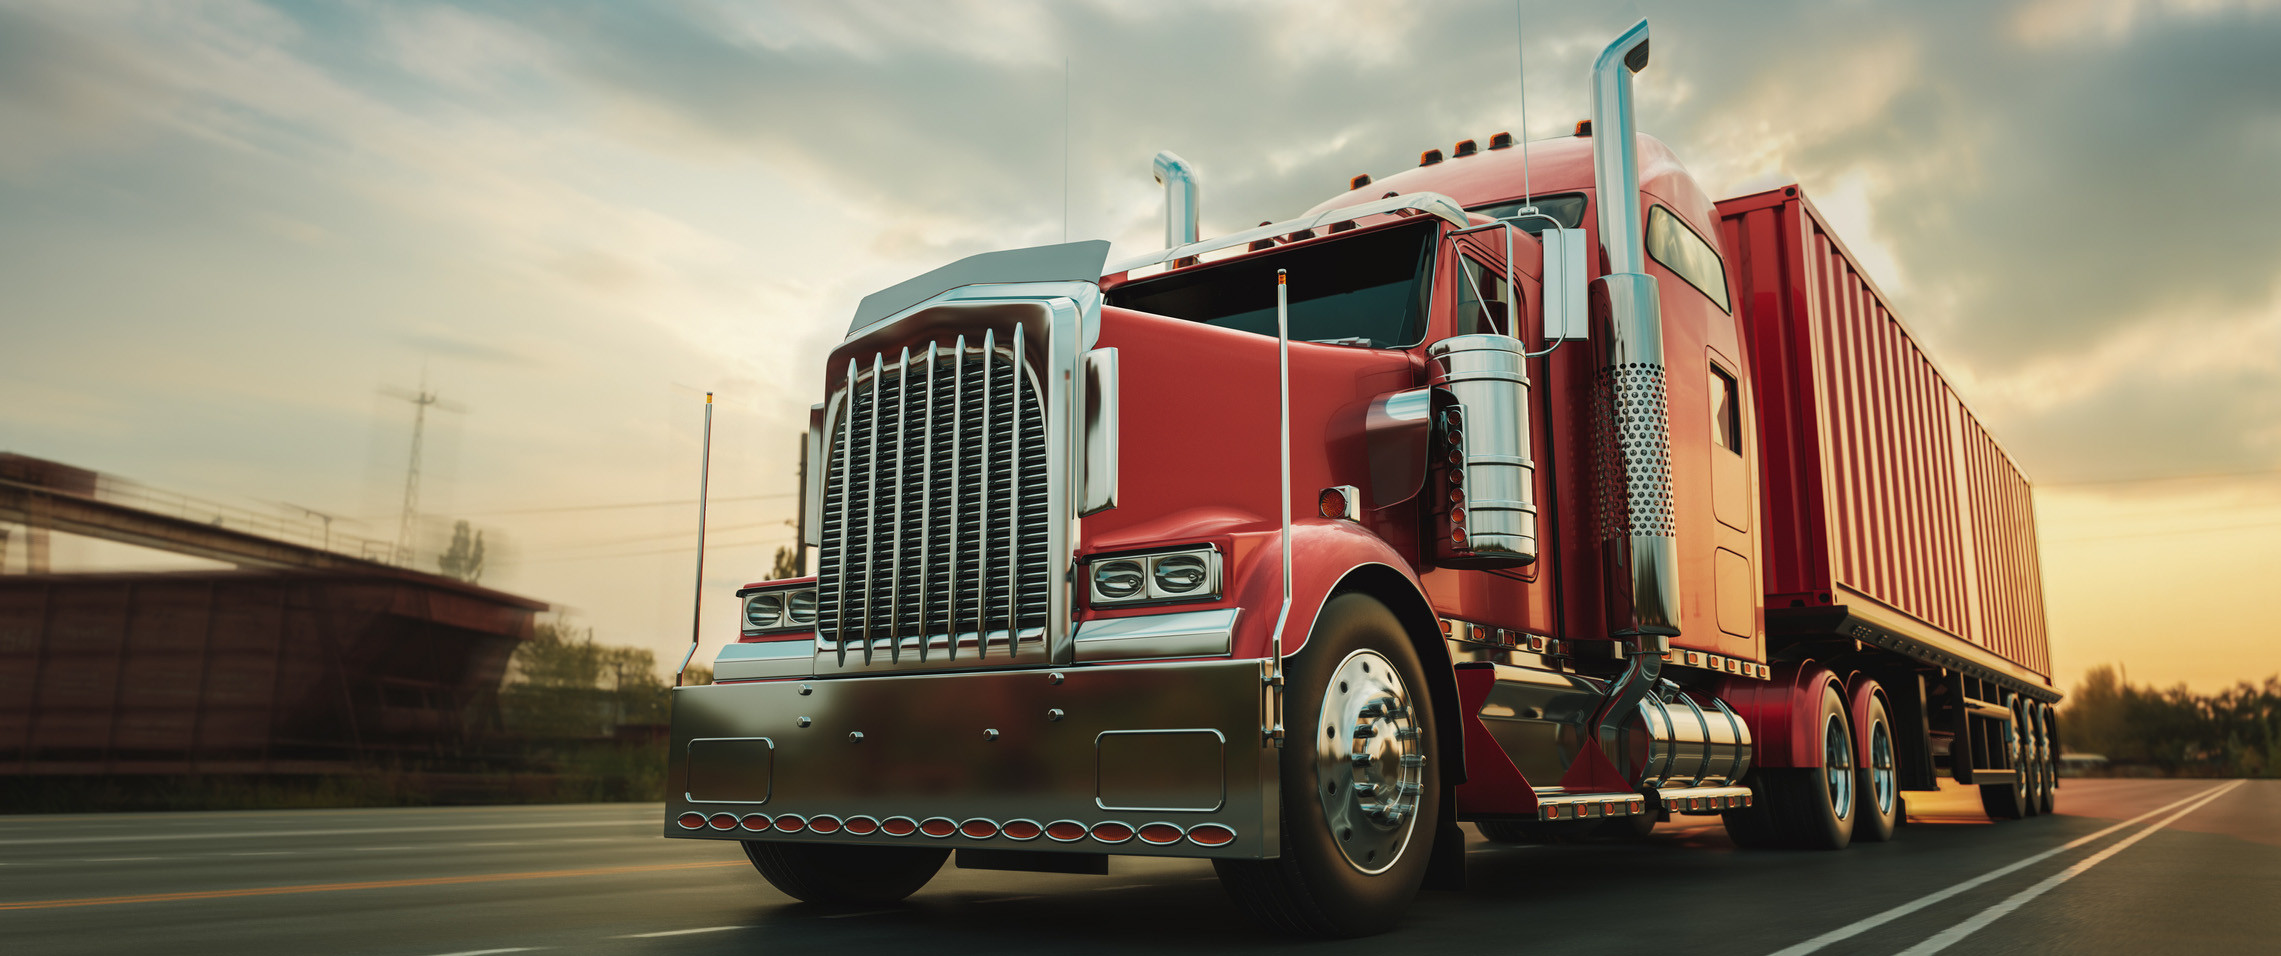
(1465, 147)
(1501, 141)
(1358, 181)
(1429, 157)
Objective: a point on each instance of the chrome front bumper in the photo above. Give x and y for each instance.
(1174, 745)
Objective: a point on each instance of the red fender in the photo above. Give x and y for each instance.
(1780, 713)
(1324, 551)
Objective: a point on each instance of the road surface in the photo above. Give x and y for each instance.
(2126, 866)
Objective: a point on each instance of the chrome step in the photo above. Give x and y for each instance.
(1703, 799)
(1588, 806)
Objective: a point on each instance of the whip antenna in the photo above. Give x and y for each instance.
(1520, 52)
(704, 478)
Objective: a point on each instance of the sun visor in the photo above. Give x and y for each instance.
(1067, 262)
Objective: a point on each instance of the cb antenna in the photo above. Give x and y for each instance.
(1520, 51)
(704, 478)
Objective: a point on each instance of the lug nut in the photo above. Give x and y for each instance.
(803, 721)
(855, 736)
(1054, 714)
(989, 735)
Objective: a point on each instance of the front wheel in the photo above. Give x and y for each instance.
(1361, 788)
(845, 875)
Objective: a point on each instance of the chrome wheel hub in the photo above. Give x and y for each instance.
(1837, 769)
(1369, 761)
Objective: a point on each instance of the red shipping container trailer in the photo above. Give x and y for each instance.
(1887, 502)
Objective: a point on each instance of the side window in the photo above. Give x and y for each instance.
(1484, 300)
(1726, 411)
(1670, 242)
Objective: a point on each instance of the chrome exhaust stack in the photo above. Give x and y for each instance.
(1643, 547)
(1180, 199)
(1634, 374)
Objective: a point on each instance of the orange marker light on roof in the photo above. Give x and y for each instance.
(1359, 181)
(1429, 157)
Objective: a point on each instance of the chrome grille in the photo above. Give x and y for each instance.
(934, 524)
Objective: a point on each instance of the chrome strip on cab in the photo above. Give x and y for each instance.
(1180, 634)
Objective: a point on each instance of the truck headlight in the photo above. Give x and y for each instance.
(1119, 580)
(1189, 574)
(1179, 573)
(762, 611)
(800, 608)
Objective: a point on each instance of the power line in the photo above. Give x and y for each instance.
(681, 502)
(770, 542)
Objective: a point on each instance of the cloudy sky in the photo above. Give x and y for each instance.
(228, 230)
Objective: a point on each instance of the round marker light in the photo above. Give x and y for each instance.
(1112, 832)
(1160, 834)
(978, 828)
(862, 826)
(1119, 579)
(723, 821)
(755, 821)
(824, 824)
(899, 826)
(691, 820)
(1022, 830)
(938, 826)
(1180, 573)
(763, 610)
(1211, 834)
(1331, 503)
(1065, 831)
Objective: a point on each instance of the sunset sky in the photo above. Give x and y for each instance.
(227, 228)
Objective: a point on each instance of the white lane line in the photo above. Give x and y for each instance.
(1851, 930)
(489, 952)
(864, 913)
(1009, 899)
(1949, 937)
(263, 853)
(121, 859)
(680, 932)
(268, 834)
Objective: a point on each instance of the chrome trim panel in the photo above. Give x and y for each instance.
(764, 660)
(1180, 634)
(1204, 795)
(923, 753)
(1099, 430)
(1432, 203)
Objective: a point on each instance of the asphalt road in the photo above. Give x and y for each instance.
(2137, 867)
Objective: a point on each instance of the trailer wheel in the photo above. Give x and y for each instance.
(2011, 801)
(1807, 808)
(845, 875)
(1361, 788)
(1879, 801)
(2047, 795)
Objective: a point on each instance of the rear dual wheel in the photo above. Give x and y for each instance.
(1361, 788)
(1808, 808)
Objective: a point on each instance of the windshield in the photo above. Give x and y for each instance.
(1367, 289)
(1567, 208)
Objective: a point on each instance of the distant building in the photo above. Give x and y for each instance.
(307, 657)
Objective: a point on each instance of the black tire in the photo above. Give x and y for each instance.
(845, 875)
(2048, 795)
(1877, 798)
(2011, 801)
(1804, 808)
(1355, 877)
(1631, 829)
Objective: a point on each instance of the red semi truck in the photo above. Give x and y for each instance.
(1553, 508)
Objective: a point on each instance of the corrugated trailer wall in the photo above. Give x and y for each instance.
(1879, 486)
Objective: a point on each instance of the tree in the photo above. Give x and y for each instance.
(463, 561)
(786, 565)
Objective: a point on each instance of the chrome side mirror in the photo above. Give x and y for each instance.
(1565, 289)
